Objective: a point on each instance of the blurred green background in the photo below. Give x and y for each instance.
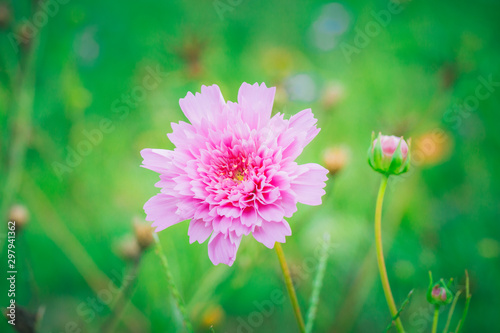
(75, 112)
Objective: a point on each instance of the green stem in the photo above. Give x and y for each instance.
(123, 297)
(56, 230)
(317, 284)
(467, 302)
(452, 309)
(21, 123)
(380, 255)
(170, 282)
(435, 321)
(290, 288)
(403, 306)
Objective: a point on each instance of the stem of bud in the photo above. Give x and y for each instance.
(380, 254)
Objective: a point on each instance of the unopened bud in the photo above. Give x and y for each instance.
(5, 15)
(20, 215)
(439, 294)
(332, 94)
(143, 233)
(212, 316)
(24, 320)
(128, 248)
(433, 147)
(389, 155)
(25, 33)
(336, 158)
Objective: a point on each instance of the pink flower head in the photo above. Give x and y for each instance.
(233, 170)
(390, 144)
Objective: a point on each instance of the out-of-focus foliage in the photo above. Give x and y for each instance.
(100, 80)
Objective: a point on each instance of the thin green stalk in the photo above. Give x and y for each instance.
(380, 255)
(57, 231)
(289, 287)
(23, 94)
(436, 318)
(452, 309)
(171, 285)
(317, 284)
(403, 306)
(123, 298)
(467, 302)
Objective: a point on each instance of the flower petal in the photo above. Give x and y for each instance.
(249, 217)
(256, 103)
(198, 231)
(271, 212)
(184, 135)
(272, 232)
(308, 185)
(289, 203)
(207, 104)
(301, 130)
(304, 122)
(222, 248)
(160, 210)
(157, 160)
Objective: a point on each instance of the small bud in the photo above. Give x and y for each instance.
(26, 33)
(448, 75)
(389, 155)
(5, 15)
(143, 233)
(332, 94)
(20, 215)
(336, 158)
(433, 147)
(25, 320)
(128, 248)
(212, 316)
(438, 294)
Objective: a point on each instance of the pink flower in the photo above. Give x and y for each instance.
(233, 170)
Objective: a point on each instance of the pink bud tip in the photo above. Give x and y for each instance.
(390, 144)
(436, 291)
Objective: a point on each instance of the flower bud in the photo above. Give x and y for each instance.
(26, 33)
(5, 15)
(143, 233)
(25, 320)
(332, 94)
(433, 147)
(336, 158)
(20, 215)
(213, 316)
(128, 248)
(389, 155)
(439, 294)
